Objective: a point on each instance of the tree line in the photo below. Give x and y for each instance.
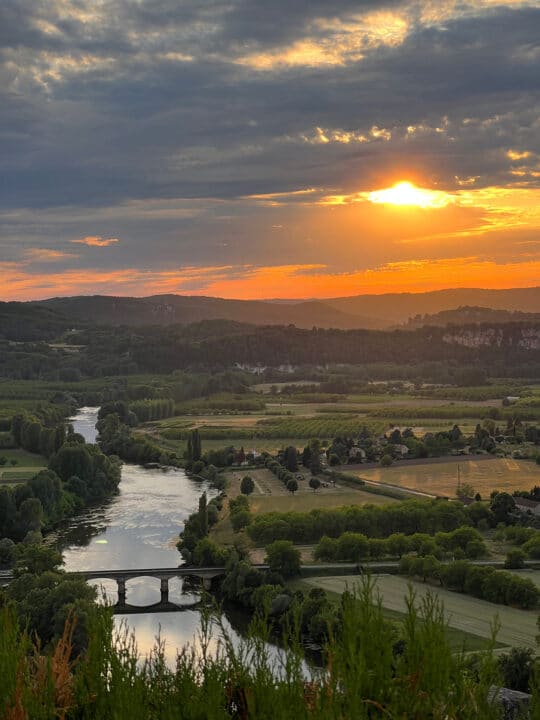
(483, 582)
(408, 517)
(155, 349)
(78, 474)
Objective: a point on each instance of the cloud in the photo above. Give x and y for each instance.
(48, 255)
(187, 129)
(95, 241)
(291, 281)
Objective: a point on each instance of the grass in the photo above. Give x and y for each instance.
(322, 499)
(465, 614)
(528, 573)
(271, 496)
(457, 639)
(442, 478)
(23, 458)
(364, 679)
(12, 477)
(28, 465)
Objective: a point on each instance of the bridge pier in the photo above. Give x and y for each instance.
(164, 589)
(207, 583)
(121, 585)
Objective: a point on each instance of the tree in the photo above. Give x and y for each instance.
(352, 547)
(36, 559)
(515, 559)
(208, 554)
(291, 459)
(240, 520)
(194, 451)
(283, 558)
(517, 668)
(73, 459)
(44, 597)
(430, 567)
(475, 549)
(314, 483)
(377, 548)
(465, 490)
(30, 515)
(7, 551)
(454, 575)
(532, 547)
(292, 486)
(386, 460)
(203, 514)
(247, 485)
(502, 506)
(398, 544)
(47, 487)
(312, 456)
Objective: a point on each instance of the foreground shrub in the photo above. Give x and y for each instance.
(370, 672)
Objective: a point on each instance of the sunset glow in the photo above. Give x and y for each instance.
(288, 150)
(405, 193)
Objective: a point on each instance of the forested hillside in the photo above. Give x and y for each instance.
(511, 349)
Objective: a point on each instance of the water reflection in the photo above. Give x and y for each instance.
(138, 528)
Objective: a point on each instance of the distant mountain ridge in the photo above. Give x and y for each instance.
(45, 318)
(360, 311)
(397, 308)
(185, 309)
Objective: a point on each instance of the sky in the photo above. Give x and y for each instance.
(252, 148)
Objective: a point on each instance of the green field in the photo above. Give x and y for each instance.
(28, 465)
(266, 421)
(484, 475)
(466, 614)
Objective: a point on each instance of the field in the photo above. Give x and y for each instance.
(441, 478)
(28, 465)
(464, 613)
(271, 496)
(266, 421)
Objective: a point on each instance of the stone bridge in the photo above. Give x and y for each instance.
(206, 575)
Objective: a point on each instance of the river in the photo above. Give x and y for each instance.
(138, 528)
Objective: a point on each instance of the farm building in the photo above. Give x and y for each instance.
(526, 506)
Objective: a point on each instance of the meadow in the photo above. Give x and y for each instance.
(27, 465)
(464, 613)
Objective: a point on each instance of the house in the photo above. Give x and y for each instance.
(528, 507)
(253, 369)
(401, 450)
(357, 453)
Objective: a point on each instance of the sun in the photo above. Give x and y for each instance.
(405, 193)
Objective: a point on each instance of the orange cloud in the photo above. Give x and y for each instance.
(46, 255)
(409, 276)
(95, 241)
(291, 281)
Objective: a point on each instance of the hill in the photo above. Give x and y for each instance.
(25, 322)
(397, 308)
(468, 315)
(185, 309)
(48, 318)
